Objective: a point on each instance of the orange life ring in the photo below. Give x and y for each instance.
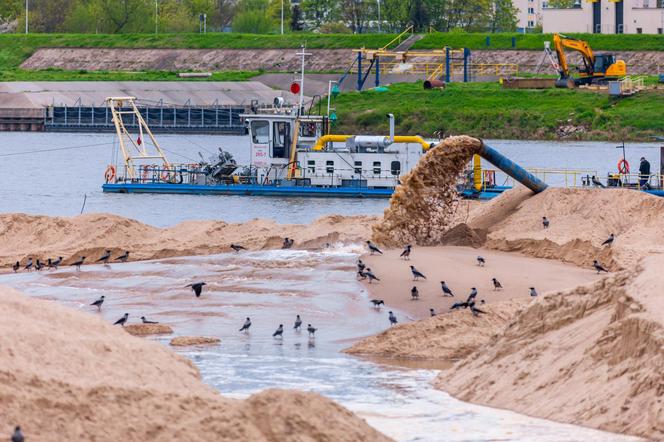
(623, 166)
(109, 174)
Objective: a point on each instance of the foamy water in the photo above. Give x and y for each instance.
(272, 287)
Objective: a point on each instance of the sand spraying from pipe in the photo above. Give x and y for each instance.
(423, 207)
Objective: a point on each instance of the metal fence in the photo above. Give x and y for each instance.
(203, 119)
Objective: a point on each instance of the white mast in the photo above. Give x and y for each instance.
(302, 54)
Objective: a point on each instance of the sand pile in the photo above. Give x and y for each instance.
(445, 336)
(148, 329)
(423, 207)
(581, 219)
(185, 341)
(23, 236)
(65, 375)
(592, 356)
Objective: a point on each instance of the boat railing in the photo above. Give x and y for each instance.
(560, 177)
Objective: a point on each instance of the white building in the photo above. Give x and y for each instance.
(607, 17)
(529, 15)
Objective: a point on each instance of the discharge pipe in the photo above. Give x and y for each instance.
(391, 117)
(511, 168)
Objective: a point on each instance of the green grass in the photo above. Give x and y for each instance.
(613, 42)
(486, 110)
(16, 48)
(62, 75)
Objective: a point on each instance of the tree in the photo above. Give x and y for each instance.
(503, 16)
(317, 12)
(128, 15)
(49, 15)
(296, 19)
(223, 13)
(395, 13)
(419, 15)
(356, 13)
(252, 17)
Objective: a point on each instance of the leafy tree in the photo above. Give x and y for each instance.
(252, 17)
(296, 19)
(318, 12)
(502, 16)
(419, 15)
(396, 13)
(356, 13)
(128, 15)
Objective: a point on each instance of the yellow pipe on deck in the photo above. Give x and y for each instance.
(477, 172)
(322, 141)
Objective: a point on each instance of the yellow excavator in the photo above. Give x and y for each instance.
(597, 68)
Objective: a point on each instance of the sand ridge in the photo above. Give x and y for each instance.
(67, 375)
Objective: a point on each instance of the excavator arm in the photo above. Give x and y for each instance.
(560, 42)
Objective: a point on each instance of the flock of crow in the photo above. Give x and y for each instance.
(365, 273)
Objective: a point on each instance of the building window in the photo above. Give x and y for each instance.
(280, 139)
(395, 168)
(329, 166)
(358, 167)
(531, 10)
(659, 30)
(376, 167)
(311, 167)
(531, 24)
(639, 30)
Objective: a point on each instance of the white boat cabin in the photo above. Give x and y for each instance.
(359, 161)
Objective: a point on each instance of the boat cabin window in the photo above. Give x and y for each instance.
(329, 166)
(358, 167)
(311, 166)
(308, 130)
(260, 132)
(395, 168)
(376, 167)
(280, 139)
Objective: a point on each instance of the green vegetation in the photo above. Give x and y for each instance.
(486, 110)
(83, 75)
(613, 42)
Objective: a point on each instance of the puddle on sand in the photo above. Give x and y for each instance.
(272, 287)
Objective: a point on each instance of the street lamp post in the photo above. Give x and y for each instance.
(282, 17)
(156, 17)
(26, 16)
(378, 16)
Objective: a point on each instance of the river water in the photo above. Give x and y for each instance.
(269, 286)
(272, 287)
(35, 178)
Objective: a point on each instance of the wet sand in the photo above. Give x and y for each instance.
(457, 266)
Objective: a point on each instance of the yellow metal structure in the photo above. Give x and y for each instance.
(397, 39)
(293, 156)
(597, 67)
(478, 178)
(132, 149)
(322, 141)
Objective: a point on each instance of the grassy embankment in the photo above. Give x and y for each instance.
(486, 110)
(16, 48)
(606, 42)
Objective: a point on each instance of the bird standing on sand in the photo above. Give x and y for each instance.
(370, 275)
(599, 267)
(596, 182)
(311, 330)
(446, 289)
(123, 320)
(16, 266)
(56, 263)
(533, 292)
(79, 263)
(474, 310)
(298, 323)
(496, 284)
(414, 294)
(28, 266)
(393, 319)
(105, 257)
(545, 222)
(416, 273)
(246, 325)
(123, 258)
(237, 247)
(432, 312)
(18, 435)
(373, 249)
(406, 252)
(145, 321)
(481, 261)
(279, 332)
(196, 287)
(609, 240)
(39, 265)
(460, 304)
(360, 265)
(361, 275)
(98, 303)
(472, 295)
(377, 302)
(286, 244)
